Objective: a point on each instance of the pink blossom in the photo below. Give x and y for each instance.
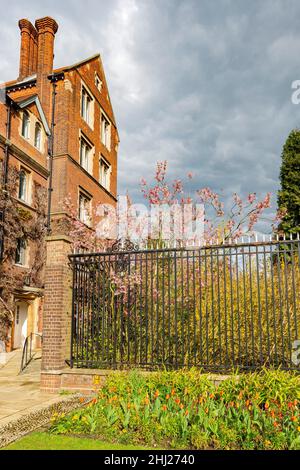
(251, 197)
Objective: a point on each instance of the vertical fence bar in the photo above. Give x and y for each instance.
(157, 347)
(162, 333)
(146, 310)
(251, 310)
(293, 250)
(238, 318)
(219, 308)
(245, 307)
(73, 319)
(108, 309)
(169, 311)
(226, 362)
(200, 310)
(128, 313)
(268, 358)
(175, 307)
(88, 292)
(135, 329)
(115, 319)
(152, 310)
(206, 308)
(141, 312)
(212, 321)
(259, 305)
(286, 288)
(194, 313)
(275, 346)
(280, 301)
(81, 314)
(182, 307)
(231, 308)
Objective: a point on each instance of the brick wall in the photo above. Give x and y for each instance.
(67, 173)
(57, 305)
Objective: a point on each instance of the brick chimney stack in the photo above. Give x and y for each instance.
(46, 29)
(33, 51)
(28, 50)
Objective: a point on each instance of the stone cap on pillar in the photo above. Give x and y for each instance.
(25, 24)
(46, 24)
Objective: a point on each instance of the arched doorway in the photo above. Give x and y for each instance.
(20, 324)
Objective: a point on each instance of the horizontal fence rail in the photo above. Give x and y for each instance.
(215, 307)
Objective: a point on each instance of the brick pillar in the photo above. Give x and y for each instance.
(57, 312)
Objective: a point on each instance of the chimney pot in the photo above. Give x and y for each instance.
(46, 29)
(26, 29)
(46, 24)
(28, 51)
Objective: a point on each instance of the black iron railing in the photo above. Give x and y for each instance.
(216, 307)
(28, 352)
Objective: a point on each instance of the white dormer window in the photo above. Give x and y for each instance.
(105, 131)
(25, 124)
(98, 82)
(37, 136)
(86, 106)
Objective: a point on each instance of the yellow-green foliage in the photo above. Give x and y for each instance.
(209, 309)
(214, 308)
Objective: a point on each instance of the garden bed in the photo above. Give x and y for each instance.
(184, 409)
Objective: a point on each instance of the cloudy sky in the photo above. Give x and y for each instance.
(204, 84)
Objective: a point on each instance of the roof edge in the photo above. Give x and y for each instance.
(77, 64)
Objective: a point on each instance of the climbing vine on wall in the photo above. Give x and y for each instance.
(18, 222)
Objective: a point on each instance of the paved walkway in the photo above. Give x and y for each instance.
(20, 392)
(23, 407)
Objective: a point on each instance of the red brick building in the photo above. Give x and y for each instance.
(57, 127)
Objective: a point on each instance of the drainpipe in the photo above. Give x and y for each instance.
(8, 128)
(50, 153)
(6, 163)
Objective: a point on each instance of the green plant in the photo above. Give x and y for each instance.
(185, 409)
(289, 194)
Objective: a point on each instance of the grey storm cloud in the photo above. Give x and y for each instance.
(203, 84)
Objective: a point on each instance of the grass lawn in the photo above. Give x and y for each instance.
(45, 441)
